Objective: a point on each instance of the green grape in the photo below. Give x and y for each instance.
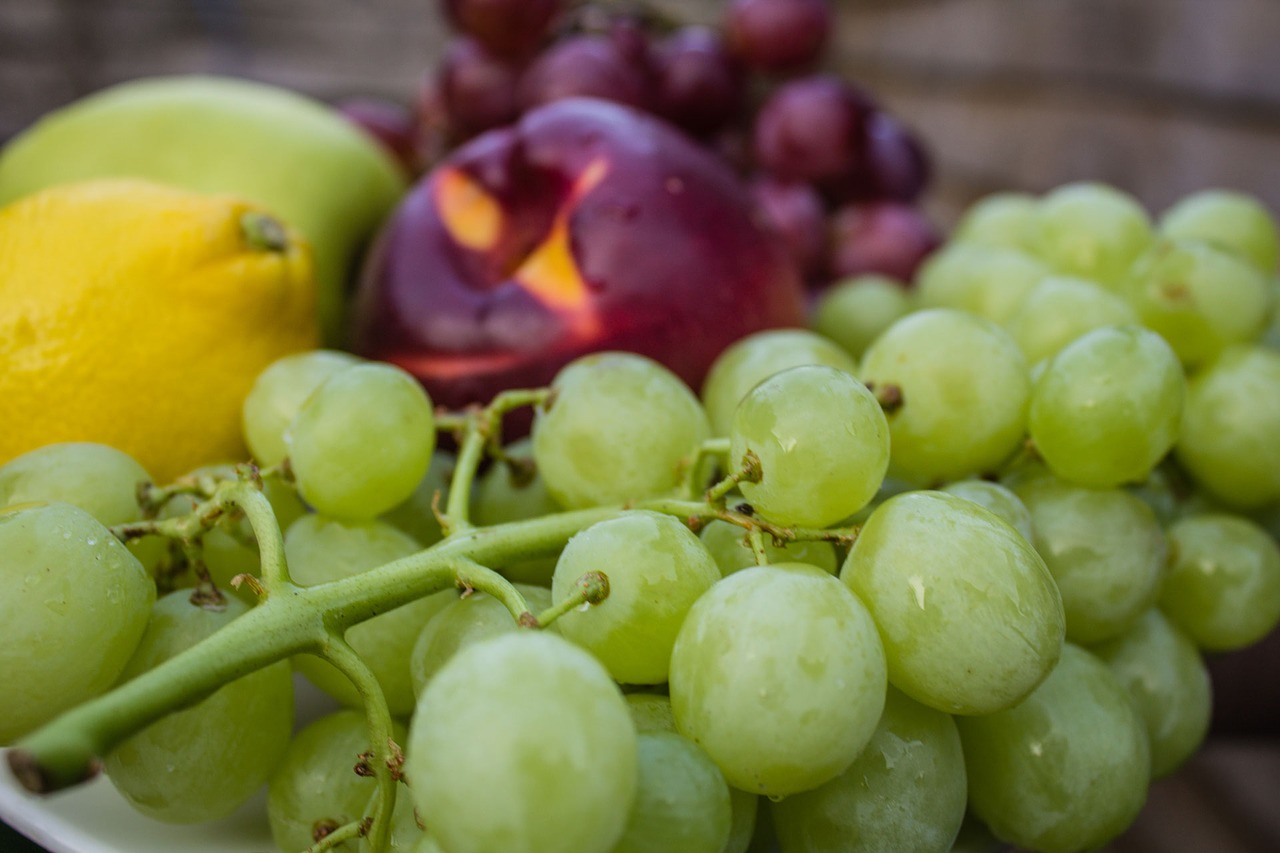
(985, 280)
(855, 311)
(100, 480)
(964, 390)
(615, 430)
(1223, 587)
(821, 441)
(361, 442)
(463, 622)
(743, 807)
(656, 570)
(322, 549)
(1004, 219)
(202, 763)
(505, 493)
(74, 607)
(1092, 231)
(732, 552)
(1169, 684)
(970, 617)
(1228, 439)
(1105, 550)
(779, 675)
(416, 515)
(1200, 299)
(745, 364)
(651, 712)
(999, 500)
(1232, 221)
(315, 786)
(556, 767)
(1271, 337)
(1108, 406)
(1065, 770)
(1060, 309)
(682, 801)
(427, 844)
(277, 395)
(906, 791)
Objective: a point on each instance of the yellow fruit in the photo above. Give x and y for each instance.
(137, 315)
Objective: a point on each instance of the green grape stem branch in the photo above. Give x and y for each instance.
(291, 620)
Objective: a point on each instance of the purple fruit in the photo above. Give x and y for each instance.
(590, 66)
(478, 88)
(510, 28)
(795, 211)
(586, 226)
(895, 166)
(887, 238)
(814, 129)
(697, 84)
(391, 123)
(778, 35)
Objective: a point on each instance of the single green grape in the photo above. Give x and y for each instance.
(99, 479)
(745, 364)
(821, 442)
(1223, 587)
(315, 786)
(202, 763)
(278, 393)
(1067, 768)
(1232, 221)
(906, 791)
(321, 549)
(1199, 298)
(682, 802)
(556, 768)
(507, 492)
(651, 712)
(74, 608)
(729, 547)
(1166, 678)
(462, 622)
(1005, 219)
(989, 281)
(964, 388)
(362, 441)
(416, 515)
(656, 568)
(1229, 428)
(743, 807)
(999, 500)
(1060, 309)
(779, 674)
(1106, 552)
(616, 429)
(1092, 231)
(970, 617)
(854, 312)
(1108, 407)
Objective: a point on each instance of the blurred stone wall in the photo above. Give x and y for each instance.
(1160, 97)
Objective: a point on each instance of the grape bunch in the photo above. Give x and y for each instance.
(938, 574)
(836, 175)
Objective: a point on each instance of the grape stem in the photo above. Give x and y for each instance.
(749, 473)
(334, 839)
(591, 588)
(481, 431)
(695, 514)
(692, 464)
(381, 735)
(756, 540)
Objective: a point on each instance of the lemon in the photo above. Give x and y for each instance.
(137, 315)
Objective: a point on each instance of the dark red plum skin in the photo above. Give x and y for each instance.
(672, 263)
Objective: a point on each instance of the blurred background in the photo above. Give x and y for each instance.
(1158, 97)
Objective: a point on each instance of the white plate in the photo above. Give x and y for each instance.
(94, 818)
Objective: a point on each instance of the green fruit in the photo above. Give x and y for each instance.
(294, 156)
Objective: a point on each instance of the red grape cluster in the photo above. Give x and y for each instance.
(836, 175)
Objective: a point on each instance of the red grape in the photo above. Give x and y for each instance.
(585, 65)
(505, 27)
(814, 129)
(698, 85)
(778, 35)
(795, 211)
(479, 88)
(887, 238)
(390, 123)
(895, 167)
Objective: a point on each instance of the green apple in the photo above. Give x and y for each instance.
(293, 155)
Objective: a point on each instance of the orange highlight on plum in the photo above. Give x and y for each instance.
(470, 215)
